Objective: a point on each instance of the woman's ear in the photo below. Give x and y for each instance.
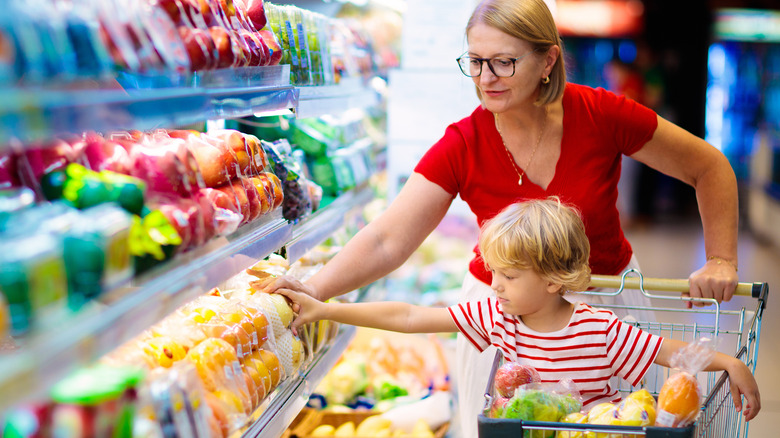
(550, 58)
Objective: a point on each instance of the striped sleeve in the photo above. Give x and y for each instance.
(475, 321)
(631, 351)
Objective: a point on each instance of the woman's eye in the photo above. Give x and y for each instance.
(501, 62)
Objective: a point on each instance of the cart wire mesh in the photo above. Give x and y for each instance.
(737, 333)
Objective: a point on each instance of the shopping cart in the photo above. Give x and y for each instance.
(738, 332)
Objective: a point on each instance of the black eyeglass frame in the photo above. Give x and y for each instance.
(490, 66)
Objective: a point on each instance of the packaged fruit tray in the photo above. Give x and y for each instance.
(730, 324)
(310, 419)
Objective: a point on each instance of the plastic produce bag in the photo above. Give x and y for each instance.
(297, 202)
(680, 397)
(543, 402)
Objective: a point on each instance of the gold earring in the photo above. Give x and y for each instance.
(546, 80)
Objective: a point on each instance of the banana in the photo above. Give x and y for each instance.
(324, 430)
(371, 425)
(345, 430)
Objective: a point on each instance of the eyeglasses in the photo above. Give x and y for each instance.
(501, 67)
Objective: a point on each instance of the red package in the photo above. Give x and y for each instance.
(254, 12)
(9, 176)
(185, 215)
(224, 216)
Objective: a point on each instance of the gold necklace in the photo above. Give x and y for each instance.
(521, 172)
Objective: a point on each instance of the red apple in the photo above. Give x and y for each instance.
(237, 195)
(497, 408)
(200, 48)
(105, 155)
(224, 45)
(172, 8)
(226, 214)
(254, 11)
(214, 164)
(8, 172)
(512, 375)
(254, 198)
(183, 134)
(273, 45)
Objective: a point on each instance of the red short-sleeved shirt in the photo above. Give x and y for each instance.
(598, 128)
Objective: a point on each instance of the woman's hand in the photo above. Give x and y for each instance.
(742, 383)
(716, 279)
(274, 284)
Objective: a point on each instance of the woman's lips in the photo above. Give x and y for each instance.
(502, 300)
(492, 93)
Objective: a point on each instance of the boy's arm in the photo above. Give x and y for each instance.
(741, 380)
(389, 315)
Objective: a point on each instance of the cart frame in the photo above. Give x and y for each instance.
(717, 418)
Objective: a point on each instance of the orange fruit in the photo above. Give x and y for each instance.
(681, 397)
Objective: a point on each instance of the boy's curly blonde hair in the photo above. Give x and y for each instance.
(544, 235)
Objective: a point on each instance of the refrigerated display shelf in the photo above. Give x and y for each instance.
(318, 101)
(315, 229)
(294, 393)
(62, 346)
(149, 102)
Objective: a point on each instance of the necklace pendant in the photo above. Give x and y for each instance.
(520, 181)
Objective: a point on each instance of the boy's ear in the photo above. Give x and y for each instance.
(553, 288)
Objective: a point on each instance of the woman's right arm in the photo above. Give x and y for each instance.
(381, 246)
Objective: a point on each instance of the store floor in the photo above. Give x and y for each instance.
(675, 250)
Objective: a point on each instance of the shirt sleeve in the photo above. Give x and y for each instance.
(631, 123)
(441, 163)
(631, 351)
(475, 321)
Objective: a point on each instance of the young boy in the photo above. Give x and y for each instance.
(537, 250)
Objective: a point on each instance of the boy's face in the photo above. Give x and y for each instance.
(522, 291)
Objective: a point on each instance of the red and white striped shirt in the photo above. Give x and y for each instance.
(594, 346)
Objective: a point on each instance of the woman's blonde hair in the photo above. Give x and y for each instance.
(531, 21)
(544, 235)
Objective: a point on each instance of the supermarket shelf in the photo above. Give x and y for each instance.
(121, 314)
(329, 99)
(149, 102)
(80, 339)
(293, 396)
(315, 229)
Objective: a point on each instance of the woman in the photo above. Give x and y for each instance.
(536, 136)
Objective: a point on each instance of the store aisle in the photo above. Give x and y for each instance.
(675, 250)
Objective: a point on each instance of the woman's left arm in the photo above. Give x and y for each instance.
(680, 154)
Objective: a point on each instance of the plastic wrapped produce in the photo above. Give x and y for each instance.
(174, 401)
(185, 216)
(225, 216)
(512, 375)
(167, 166)
(680, 396)
(542, 402)
(9, 175)
(297, 202)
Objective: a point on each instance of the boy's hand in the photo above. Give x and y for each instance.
(742, 382)
(308, 309)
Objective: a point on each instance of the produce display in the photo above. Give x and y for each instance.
(335, 153)
(121, 204)
(88, 212)
(97, 40)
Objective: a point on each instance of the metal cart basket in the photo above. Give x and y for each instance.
(737, 331)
